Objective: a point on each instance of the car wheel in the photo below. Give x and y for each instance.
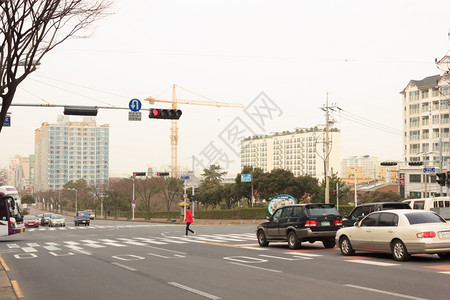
(346, 246)
(444, 255)
(399, 251)
(262, 241)
(293, 242)
(329, 244)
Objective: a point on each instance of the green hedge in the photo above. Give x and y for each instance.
(229, 214)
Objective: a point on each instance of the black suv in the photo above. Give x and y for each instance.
(363, 210)
(300, 223)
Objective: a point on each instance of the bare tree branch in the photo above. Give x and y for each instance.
(31, 28)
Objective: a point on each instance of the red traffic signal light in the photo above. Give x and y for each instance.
(139, 173)
(170, 114)
(162, 174)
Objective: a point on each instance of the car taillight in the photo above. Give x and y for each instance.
(311, 223)
(337, 222)
(426, 234)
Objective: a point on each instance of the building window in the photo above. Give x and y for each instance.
(424, 94)
(435, 120)
(435, 133)
(425, 120)
(425, 147)
(414, 122)
(414, 109)
(435, 105)
(414, 96)
(425, 107)
(425, 134)
(414, 135)
(414, 148)
(444, 119)
(415, 177)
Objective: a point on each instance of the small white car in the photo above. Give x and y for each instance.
(56, 220)
(400, 232)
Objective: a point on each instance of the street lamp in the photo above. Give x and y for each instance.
(76, 199)
(356, 163)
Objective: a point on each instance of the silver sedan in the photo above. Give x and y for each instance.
(400, 232)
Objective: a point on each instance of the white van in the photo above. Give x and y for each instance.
(440, 205)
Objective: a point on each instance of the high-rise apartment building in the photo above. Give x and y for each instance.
(426, 129)
(69, 151)
(301, 151)
(21, 172)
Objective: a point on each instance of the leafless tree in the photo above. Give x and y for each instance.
(146, 189)
(31, 28)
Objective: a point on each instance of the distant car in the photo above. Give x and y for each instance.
(56, 220)
(45, 218)
(91, 214)
(299, 223)
(363, 210)
(401, 232)
(82, 217)
(39, 216)
(30, 221)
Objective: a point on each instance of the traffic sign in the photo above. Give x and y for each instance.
(133, 201)
(246, 178)
(429, 170)
(134, 116)
(135, 104)
(7, 121)
(185, 196)
(185, 178)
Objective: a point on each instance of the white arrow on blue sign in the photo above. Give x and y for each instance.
(429, 170)
(135, 104)
(185, 177)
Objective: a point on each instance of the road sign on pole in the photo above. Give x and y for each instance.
(184, 177)
(429, 170)
(135, 104)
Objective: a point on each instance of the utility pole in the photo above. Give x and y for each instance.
(328, 122)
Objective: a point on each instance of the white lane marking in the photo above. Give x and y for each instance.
(259, 268)
(446, 272)
(136, 243)
(383, 292)
(285, 258)
(303, 254)
(29, 249)
(61, 254)
(13, 246)
(151, 241)
(157, 255)
(51, 248)
(255, 248)
(123, 266)
(373, 263)
(129, 257)
(246, 259)
(112, 243)
(78, 249)
(192, 290)
(33, 244)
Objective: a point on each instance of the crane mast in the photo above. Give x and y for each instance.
(174, 123)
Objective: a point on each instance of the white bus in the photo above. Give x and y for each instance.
(11, 191)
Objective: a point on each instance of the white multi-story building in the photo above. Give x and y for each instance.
(426, 138)
(301, 151)
(69, 151)
(369, 164)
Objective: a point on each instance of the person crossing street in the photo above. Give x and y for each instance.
(188, 220)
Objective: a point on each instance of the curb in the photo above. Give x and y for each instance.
(6, 288)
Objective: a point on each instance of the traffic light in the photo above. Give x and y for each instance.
(388, 163)
(441, 178)
(162, 174)
(139, 173)
(80, 110)
(158, 113)
(415, 163)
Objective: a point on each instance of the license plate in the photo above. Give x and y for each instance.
(325, 223)
(445, 234)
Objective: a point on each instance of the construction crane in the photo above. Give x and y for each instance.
(174, 125)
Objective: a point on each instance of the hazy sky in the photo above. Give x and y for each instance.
(362, 53)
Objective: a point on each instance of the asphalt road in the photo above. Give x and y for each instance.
(126, 260)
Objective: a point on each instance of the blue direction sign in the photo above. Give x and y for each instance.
(185, 177)
(135, 104)
(246, 178)
(429, 170)
(7, 121)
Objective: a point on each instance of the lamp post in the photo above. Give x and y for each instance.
(76, 199)
(356, 163)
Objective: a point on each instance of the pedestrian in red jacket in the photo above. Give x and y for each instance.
(188, 220)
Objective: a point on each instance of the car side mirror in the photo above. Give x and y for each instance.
(269, 218)
(346, 216)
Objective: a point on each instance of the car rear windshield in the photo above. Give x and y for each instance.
(30, 218)
(396, 206)
(421, 218)
(322, 210)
